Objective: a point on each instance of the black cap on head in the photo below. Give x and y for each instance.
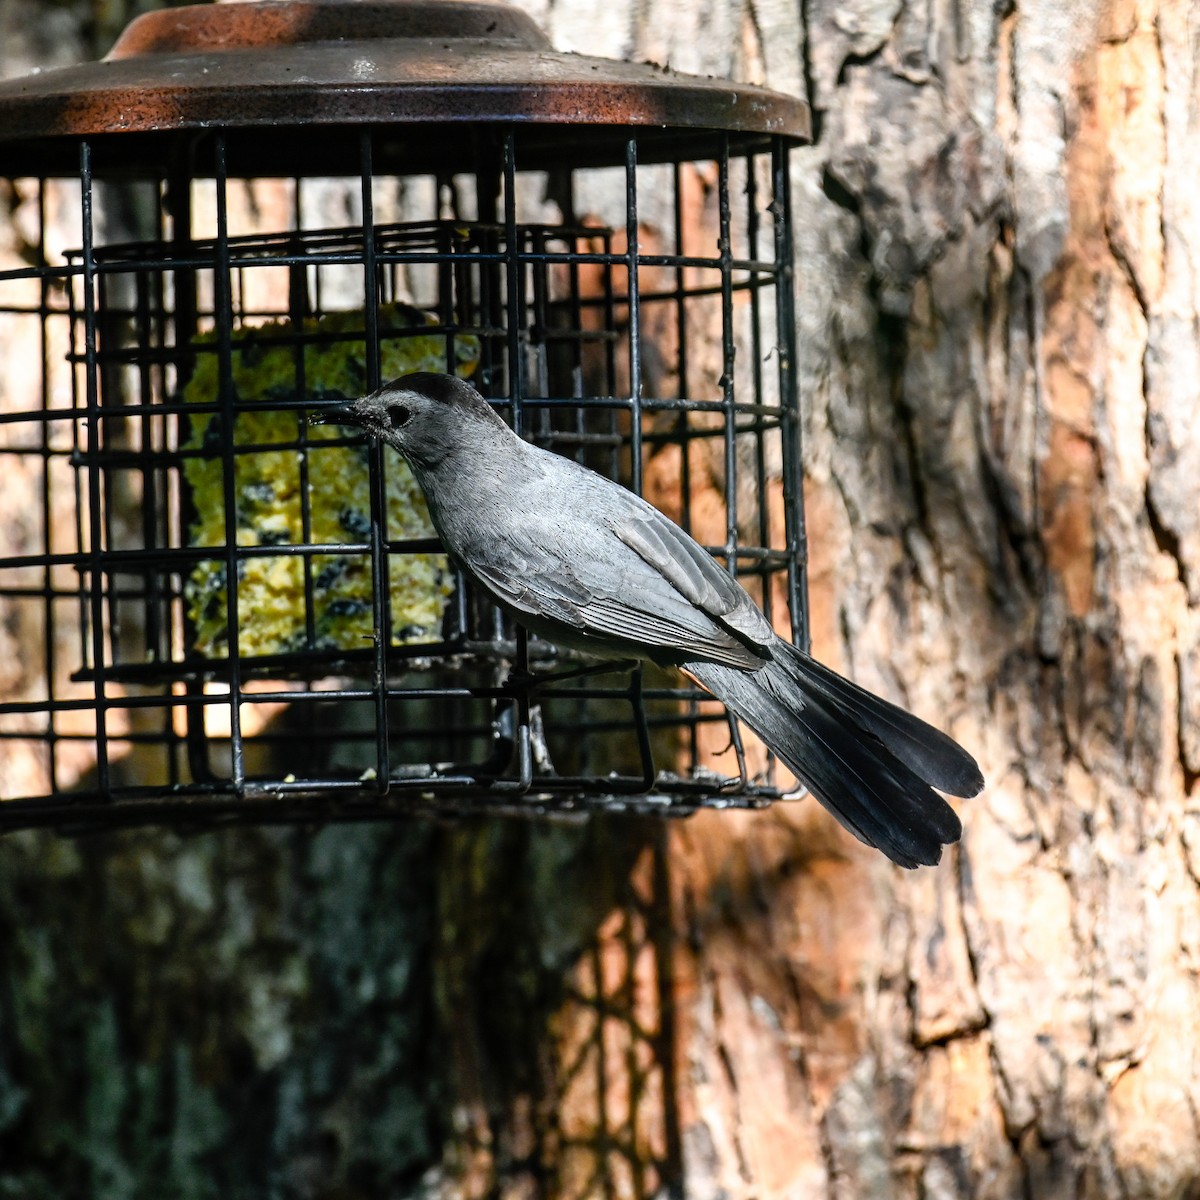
(445, 389)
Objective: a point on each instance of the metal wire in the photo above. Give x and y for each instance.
(586, 337)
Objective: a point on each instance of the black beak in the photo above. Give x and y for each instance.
(337, 414)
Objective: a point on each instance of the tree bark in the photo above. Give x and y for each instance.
(999, 306)
(998, 282)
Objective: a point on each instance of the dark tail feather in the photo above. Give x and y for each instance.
(868, 762)
(939, 760)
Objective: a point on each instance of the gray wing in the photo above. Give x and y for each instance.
(691, 570)
(630, 581)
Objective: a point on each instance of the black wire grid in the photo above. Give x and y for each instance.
(604, 326)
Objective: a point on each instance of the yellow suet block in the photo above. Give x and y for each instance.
(267, 486)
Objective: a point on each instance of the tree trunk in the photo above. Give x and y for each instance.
(999, 285)
(998, 260)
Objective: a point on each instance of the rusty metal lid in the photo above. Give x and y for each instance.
(289, 64)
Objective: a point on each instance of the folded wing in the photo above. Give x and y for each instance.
(640, 580)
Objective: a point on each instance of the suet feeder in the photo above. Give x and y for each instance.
(248, 210)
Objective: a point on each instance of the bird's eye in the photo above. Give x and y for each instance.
(399, 415)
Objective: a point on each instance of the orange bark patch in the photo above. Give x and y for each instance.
(1069, 487)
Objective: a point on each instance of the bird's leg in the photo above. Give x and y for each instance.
(518, 725)
(735, 740)
(728, 783)
(645, 747)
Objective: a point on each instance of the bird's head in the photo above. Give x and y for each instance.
(424, 415)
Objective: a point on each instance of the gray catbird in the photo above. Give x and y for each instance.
(582, 561)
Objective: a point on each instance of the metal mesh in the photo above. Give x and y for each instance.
(224, 634)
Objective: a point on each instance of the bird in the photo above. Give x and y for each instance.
(579, 559)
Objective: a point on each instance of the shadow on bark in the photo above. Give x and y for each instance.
(350, 1010)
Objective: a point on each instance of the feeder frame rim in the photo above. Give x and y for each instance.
(282, 64)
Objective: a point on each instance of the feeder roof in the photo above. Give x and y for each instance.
(290, 65)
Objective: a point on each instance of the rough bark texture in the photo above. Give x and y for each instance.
(999, 256)
(999, 302)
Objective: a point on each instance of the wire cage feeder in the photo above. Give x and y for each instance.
(250, 210)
